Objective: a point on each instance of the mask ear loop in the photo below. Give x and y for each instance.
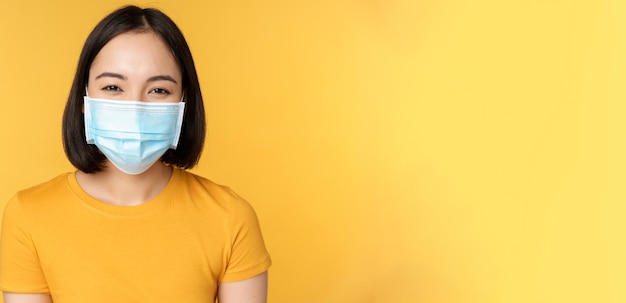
(86, 92)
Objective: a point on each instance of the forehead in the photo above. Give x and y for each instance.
(136, 55)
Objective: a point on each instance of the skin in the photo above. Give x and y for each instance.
(140, 67)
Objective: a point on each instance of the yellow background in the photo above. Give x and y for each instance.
(395, 151)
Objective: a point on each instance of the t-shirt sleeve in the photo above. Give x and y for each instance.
(248, 255)
(20, 269)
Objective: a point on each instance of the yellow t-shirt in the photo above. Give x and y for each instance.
(176, 247)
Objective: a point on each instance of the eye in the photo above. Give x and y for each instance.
(160, 91)
(113, 88)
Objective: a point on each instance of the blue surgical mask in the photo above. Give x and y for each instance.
(133, 135)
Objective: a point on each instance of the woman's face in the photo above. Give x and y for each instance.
(135, 66)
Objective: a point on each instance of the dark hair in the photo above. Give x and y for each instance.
(87, 157)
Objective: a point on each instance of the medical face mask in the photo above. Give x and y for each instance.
(133, 135)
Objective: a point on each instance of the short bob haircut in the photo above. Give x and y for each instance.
(87, 157)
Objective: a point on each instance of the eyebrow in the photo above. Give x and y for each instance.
(162, 77)
(122, 77)
(110, 75)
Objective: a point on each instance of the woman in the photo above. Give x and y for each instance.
(131, 225)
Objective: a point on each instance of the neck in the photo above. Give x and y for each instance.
(115, 187)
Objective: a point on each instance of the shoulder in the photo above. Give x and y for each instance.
(203, 189)
(44, 191)
(47, 186)
(198, 182)
(36, 201)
